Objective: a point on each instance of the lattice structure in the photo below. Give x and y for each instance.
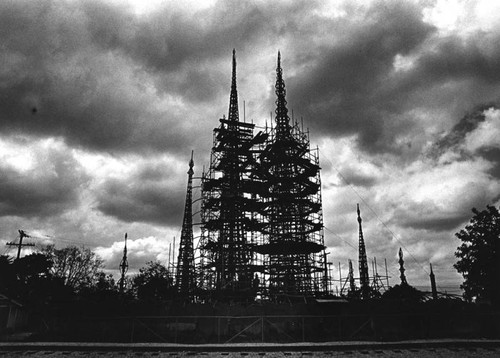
(293, 225)
(185, 279)
(123, 267)
(364, 279)
(402, 268)
(230, 206)
(350, 277)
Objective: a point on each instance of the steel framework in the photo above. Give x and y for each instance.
(364, 279)
(293, 225)
(123, 267)
(230, 206)
(185, 280)
(262, 221)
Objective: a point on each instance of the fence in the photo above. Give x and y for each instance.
(281, 329)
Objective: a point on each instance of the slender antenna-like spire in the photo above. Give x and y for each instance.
(123, 266)
(433, 284)
(185, 275)
(282, 119)
(364, 279)
(352, 284)
(401, 268)
(233, 99)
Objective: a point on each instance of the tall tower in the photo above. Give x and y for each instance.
(402, 268)
(123, 266)
(293, 223)
(433, 284)
(364, 278)
(229, 202)
(352, 284)
(185, 275)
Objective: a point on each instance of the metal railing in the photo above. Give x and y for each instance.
(276, 329)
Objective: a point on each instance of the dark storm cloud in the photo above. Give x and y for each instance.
(169, 39)
(351, 85)
(48, 189)
(351, 176)
(434, 221)
(339, 92)
(145, 196)
(56, 82)
(457, 134)
(493, 156)
(86, 71)
(108, 80)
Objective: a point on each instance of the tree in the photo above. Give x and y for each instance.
(7, 274)
(32, 267)
(479, 256)
(154, 282)
(77, 267)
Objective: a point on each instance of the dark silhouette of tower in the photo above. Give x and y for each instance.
(229, 190)
(433, 284)
(123, 266)
(261, 211)
(364, 278)
(402, 268)
(185, 275)
(293, 217)
(352, 284)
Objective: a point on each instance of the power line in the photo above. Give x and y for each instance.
(354, 247)
(377, 217)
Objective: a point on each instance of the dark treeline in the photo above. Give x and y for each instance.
(72, 281)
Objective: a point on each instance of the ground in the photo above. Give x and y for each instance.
(421, 349)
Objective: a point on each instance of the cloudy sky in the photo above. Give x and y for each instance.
(101, 103)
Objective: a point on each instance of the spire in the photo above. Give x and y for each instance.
(191, 165)
(282, 119)
(402, 268)
(363, 262)
(233, 99)
(185, 275)
(352, 284)
(123, 266)
(433, 284)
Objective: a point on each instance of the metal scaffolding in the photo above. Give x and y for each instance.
(293, 226)
(262, 223)
(230, 207)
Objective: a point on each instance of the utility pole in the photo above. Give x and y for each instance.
(20, 245)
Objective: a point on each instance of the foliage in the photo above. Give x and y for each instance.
(404, 292)
(77, 267)
(32, 267)
(154, 282)
(479, 256)
(7, 274)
